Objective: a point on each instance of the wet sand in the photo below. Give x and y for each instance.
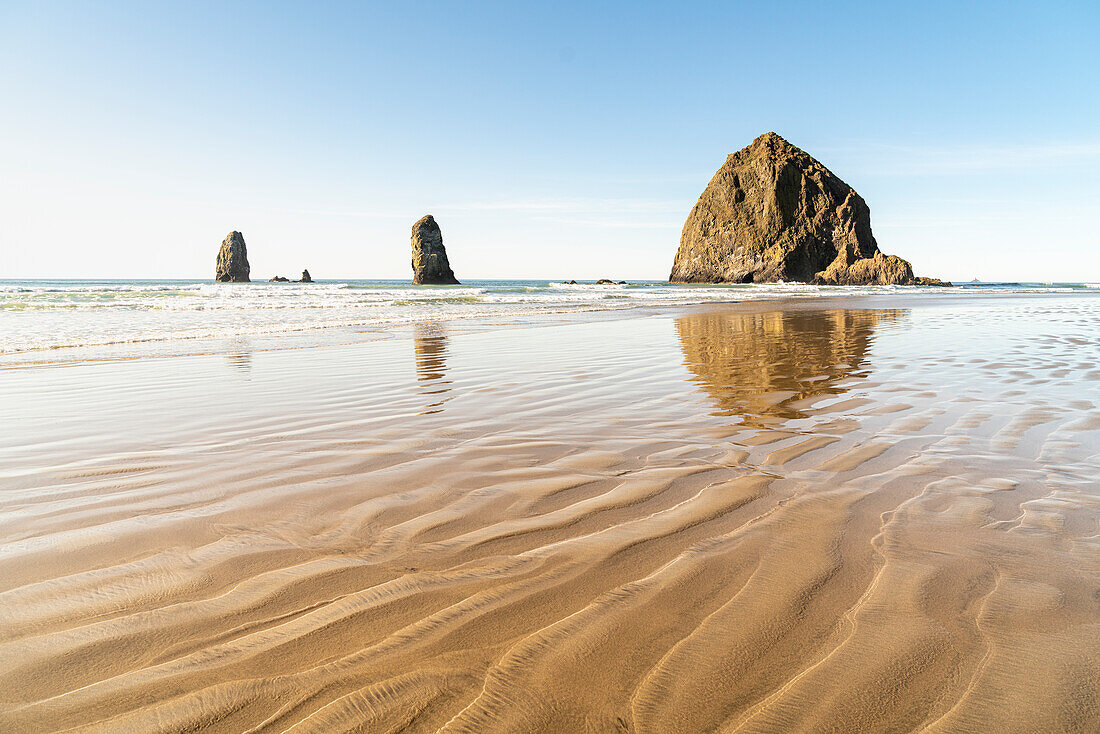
(871, 515)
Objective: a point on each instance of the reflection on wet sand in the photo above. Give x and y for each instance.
(760, 367)
(239, 357)
(430, 348)
(242, 362)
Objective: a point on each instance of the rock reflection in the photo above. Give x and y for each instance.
(430, 348)
(758, 366)
(240, 358)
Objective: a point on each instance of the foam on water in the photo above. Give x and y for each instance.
(39, 316)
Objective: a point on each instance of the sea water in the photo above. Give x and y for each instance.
(43, 321)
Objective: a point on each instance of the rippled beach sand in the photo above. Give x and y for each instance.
(875, 514)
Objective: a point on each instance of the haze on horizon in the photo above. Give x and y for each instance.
(549, 142)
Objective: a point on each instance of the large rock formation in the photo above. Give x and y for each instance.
(232, 264)
(772, 212)
(429, 258)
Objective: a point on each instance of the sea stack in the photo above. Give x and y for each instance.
(305, 277)
(429, 258)
(232, 264)
(772, 213)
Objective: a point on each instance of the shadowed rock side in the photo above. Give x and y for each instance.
(429, 257)
(760, 367)
(232, 266)
(774, 213)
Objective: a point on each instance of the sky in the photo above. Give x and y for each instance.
(549, 140)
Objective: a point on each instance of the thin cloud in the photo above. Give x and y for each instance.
(891, 160)
(575, 206)
(568, 209)
(611, 223)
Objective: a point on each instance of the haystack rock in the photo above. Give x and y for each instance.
(232, 264)
(429, 258)
(774, 213)
(306, 277)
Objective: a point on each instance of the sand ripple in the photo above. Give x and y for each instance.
(741, 520)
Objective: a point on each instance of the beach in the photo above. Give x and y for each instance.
(786, 510)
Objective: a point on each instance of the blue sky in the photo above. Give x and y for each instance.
(557, 140)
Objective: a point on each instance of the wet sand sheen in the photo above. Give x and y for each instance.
(749, 519)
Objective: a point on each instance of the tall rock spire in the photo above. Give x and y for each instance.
(429, 258)
(232, 264)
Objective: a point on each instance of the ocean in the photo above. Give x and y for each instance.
(50, 321)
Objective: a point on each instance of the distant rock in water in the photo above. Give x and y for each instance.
(429, 258)
(601, 281)
(305, 278)
(772, 212)
(232, 264)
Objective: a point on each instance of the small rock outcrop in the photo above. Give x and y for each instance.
(601, 281)
(281, 279)
(429, 259)
(774, 213)
(232, 265)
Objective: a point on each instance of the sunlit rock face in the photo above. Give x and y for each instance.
(774, 213)
(762, 367)
(429, 258)
(232, 264)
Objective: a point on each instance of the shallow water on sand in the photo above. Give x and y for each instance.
(66, 321)
(877, 514)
